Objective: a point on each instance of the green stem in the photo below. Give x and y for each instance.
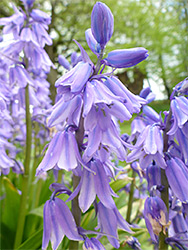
(164, 183)
(131, 196)
(75, 179)
(76, 213)
(33, 168)
(98, 65)
(23, 202)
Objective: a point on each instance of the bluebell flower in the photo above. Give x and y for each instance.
(183, 144)
(156, 216)
(137, 126)
(133, 243)
(95, 184)
(40, 16)
(148, 147)
(147, 94)
(64, 62)
(181, 87)
(76, 78)
(153, 175)
(92, 244)
(58, 222)
(66, 111)
(28, 4)
(125, 58)
(92, 43)
(178, 232)
(19, 76)
(102, 23)
(98, 133)
(62, 151)
(177, 175)
(179, 113)
(150, 114)
(14, 23)
(109, 220)
(40, 34)
(132, 102)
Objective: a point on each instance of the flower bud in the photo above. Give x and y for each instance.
(63, 61)
(102, 23)
(92, 43)
(125, 58)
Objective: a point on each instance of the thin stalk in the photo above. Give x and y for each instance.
(33, 168)
(23, 202)
(131, 196)
(164, 183)
(98, 65)
(76, 212)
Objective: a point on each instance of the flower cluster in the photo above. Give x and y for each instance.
(24, 62)
(161, 150)
(89, 103)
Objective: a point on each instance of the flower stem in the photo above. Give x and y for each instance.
(164, 183)
(131, 196)
(23, 202)
(76, 212)
(98, 65)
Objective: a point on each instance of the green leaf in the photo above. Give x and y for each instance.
(119, 184)
(37, 211)
(34, 242)
(6, 237)
(10, 205)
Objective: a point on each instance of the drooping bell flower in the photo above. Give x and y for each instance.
(179, 107)
(102, 130)
(76, 78)
(68, 111)
(132, 102)
(102, 23)
(40, 16)
(92, 244)
(183, 144)
(95, 184)
(181, 87)
(125, 58)
(58, 222)
(153, 175)
(178, 232)
(149, 147)
(156, 216)
(177, 175)
(151, 114)
(109, 220)
(137, 126)
(133, 243)
(62, 151)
